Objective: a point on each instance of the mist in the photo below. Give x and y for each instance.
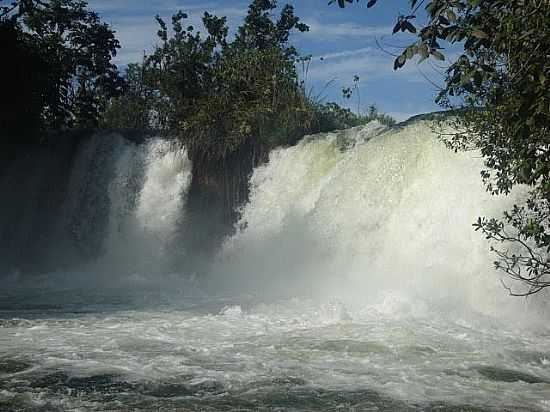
(353, 265)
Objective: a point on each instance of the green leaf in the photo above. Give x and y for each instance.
(478, 79)
(451, 16)
(407, 25)
(422, 49)
(396, 27)
(399, 62)
(438, 55)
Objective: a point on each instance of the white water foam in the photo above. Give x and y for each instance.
(147, 204)
(385, 218)
(407, 313)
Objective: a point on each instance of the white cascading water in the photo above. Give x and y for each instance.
(370, 215)
(354, 282)
(147, 203)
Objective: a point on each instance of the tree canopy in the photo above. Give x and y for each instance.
(58, 71)
(216, 93)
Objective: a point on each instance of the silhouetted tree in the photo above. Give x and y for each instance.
(65, 51)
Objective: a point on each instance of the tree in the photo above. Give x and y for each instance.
(215, 94)
(23, 99)
(501, 84)
(227, 101)
(260, 32)
(181, 68)
(133, 108)
(74, 51)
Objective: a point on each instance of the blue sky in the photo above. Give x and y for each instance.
(345, 39)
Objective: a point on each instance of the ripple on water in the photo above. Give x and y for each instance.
(495, 373)
(264, 362)
(10, 366)
(352, 346)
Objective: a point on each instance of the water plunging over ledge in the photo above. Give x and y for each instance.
(354, 280)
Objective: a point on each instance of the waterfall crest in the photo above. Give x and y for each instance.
(372, 214)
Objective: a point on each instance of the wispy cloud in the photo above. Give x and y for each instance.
(152, 7)
(136, 35)
(363, 63)
(335, 30)
(369, 64)
(136, 28)
(345, 53)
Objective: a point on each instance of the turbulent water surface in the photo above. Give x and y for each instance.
(295, 354)
(354, 281)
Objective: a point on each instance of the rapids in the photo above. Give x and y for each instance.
(354, 281)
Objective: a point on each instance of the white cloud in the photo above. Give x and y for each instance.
(402, 116)
(133, 7)
(335, 30)
(136, 35)
(364, 64)
(345, 53)
(369, 64)
(136, 27)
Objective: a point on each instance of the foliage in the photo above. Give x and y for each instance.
(501, 81)
(331, 116)
(374, 114)
(259, 100)
(65, 52)
(260, 32)
(22, 99)
(132, 109)
(216, 94)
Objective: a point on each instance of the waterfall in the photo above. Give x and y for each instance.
(372, 214)
(353, 280)
(102, 203)
(147, 197)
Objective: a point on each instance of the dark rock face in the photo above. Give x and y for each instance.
(218, 191)
(56, 200)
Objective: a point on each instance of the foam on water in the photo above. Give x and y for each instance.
(297, 354)
(388, 215)
(354, 281)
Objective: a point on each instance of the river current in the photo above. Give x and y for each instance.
(100, 352)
